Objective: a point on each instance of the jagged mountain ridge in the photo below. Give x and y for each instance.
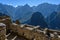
(45, 8)
(24, 12)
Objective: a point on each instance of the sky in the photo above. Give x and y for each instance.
(29, 2)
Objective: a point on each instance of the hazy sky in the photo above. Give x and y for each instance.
(30, 2)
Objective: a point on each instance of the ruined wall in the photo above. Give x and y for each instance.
(2, 32)
(31, 34)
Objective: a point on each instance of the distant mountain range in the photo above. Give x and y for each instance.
(45, 8)
(26, 14)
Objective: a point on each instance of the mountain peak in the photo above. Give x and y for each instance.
(27, 5)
